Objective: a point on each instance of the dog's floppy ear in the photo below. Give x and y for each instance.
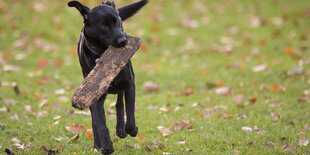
(109, 3)
(82, 8)
(129, 10)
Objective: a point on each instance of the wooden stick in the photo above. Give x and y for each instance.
(97, 82)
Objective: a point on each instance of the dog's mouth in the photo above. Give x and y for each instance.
(120, 42)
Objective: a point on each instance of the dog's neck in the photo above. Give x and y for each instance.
(97, 49)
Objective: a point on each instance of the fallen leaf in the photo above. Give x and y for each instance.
(178, 125)
(188, 92)
(42, 63)
(74, 138)
(136, 145)
(227, 115)
(46, 151)
(290, 148)
(146, 148)
(223, 91)
(4, 109)
(251, 144)
(181, 142)
(269, 144)
(303, 142)
(238, 98)
(42, 113)
(274, 116)
(253, 100)
(259, 68)
(187, 149)
(28, 108)
(58, 148)
(164, 131)
(282, 139)
(75, 129)
(89, 133)
(247, 129)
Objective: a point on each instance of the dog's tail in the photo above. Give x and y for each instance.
(129, 10)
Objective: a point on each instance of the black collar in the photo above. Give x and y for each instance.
(90, 46)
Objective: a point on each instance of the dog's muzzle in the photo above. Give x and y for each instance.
(121, 42)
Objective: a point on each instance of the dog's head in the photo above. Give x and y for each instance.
(103, 23)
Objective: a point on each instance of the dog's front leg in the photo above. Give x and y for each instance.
(100, 129)
(120, 125)
(130, 94)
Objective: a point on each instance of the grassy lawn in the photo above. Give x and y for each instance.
(233, 78)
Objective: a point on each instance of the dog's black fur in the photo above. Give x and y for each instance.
(102, 28)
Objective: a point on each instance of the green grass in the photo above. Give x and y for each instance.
(174, 63)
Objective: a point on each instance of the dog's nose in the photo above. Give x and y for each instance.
(122, 41)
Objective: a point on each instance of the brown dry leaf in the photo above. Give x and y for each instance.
(58, 147)
(304, 99)
(74, 138)
(274, 116)
(269, 144)
(251, 144)
(204, 72)
(89, 133)
(146, 148)
(227, 115)
(4, 109)
(303, 142)
(75, 129)
(150, 86)
(178, 125)
(42, 113)
(282, 139)
(142, 138)
(253, 100)
(241, 116)
(238, 98)
(290, 148)
(188, 92)
(289, 51)
(57, 63)
(160, 145)
(28, 108)
(42, 63)
(276, 88)
(19, 146)
(259, 68)
(46, 151)
(223, 91)
(144, 47)
(164, 131)
(136, 145)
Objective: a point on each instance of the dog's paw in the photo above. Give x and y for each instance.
(121, 133)
(132, 132)
(107, 150)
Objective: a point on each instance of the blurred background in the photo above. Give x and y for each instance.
(205, 70)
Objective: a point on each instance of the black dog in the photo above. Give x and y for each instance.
(102, 28)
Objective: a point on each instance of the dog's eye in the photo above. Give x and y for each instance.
(104, 27)
(117, 22)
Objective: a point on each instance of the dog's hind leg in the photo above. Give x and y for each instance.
(120, 124)
(103, 135)
(130, 94)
